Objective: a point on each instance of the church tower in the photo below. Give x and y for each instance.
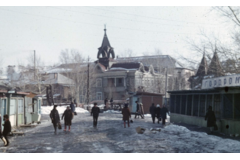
(203, 67)
(215, 67)
(202, 71)
(105, 51)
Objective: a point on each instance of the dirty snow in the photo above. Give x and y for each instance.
(111, 137)
(112, 111)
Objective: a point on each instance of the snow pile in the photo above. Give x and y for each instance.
(112, 111)
(61, 109)
(174, 128)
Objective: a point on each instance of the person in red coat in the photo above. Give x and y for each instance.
(126, 115)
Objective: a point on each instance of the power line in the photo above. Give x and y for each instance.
(150, 17)
(119, 18)
(96, 24)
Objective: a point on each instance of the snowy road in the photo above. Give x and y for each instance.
(112, 137)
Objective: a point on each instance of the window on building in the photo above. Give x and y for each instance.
(111, 82)
(20, 106)
(228, 106)
(237, 106)
(189, 105)
(209, 102)
(195, 105)
(120, 82)
(99, 82)
(217, 105)
(12, 106)
(183, 106)
(35, 106)
(172, 104)
(178, 98)
(99, 96)
(202, 111)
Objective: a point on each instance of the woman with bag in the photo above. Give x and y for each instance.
(67, 118)
(211, 119)
(55, 118)
(126, 115)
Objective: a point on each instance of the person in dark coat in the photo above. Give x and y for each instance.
(126, 115)
(152, 111)
(1, 136)
(211, 119)
(158, 113)
(67, 118)
(137, 109)
(55, 117)
(72, 106)
(7, 128)
(105, 102)
(111, 101)
(95, 112)
(164, 112)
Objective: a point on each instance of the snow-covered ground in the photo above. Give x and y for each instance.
(61, 109)
(112, 111)
(110, 136)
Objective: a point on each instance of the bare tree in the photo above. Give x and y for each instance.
(76, 68)
(30, 75)
(73, 63)
(207, 44)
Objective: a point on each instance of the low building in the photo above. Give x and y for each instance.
(222, 93)
(22, 107)
(146, 99)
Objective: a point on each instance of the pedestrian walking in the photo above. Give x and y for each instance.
(72, 106)
(137, 110)
(7, 128)
(1, 136)
(152, 111)
(141, 111)
(95, 112)
(126, 115)
(55, 117)
(211, 119)
(158, 113)
(164, 112)
(67, 118)
(111, 102)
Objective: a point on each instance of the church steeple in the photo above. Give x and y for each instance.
(215, 67)
(105, 50)
(203, 67)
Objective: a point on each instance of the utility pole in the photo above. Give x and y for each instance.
(166, 84)
(88, 83)
(34, 64)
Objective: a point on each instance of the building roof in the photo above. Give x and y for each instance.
(155, 60)
(105, 41)
(203, 67)
(149, 94)
(60, 79)
(127, 65)
(215, 67)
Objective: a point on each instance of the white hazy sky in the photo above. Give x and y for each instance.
(48, 30)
